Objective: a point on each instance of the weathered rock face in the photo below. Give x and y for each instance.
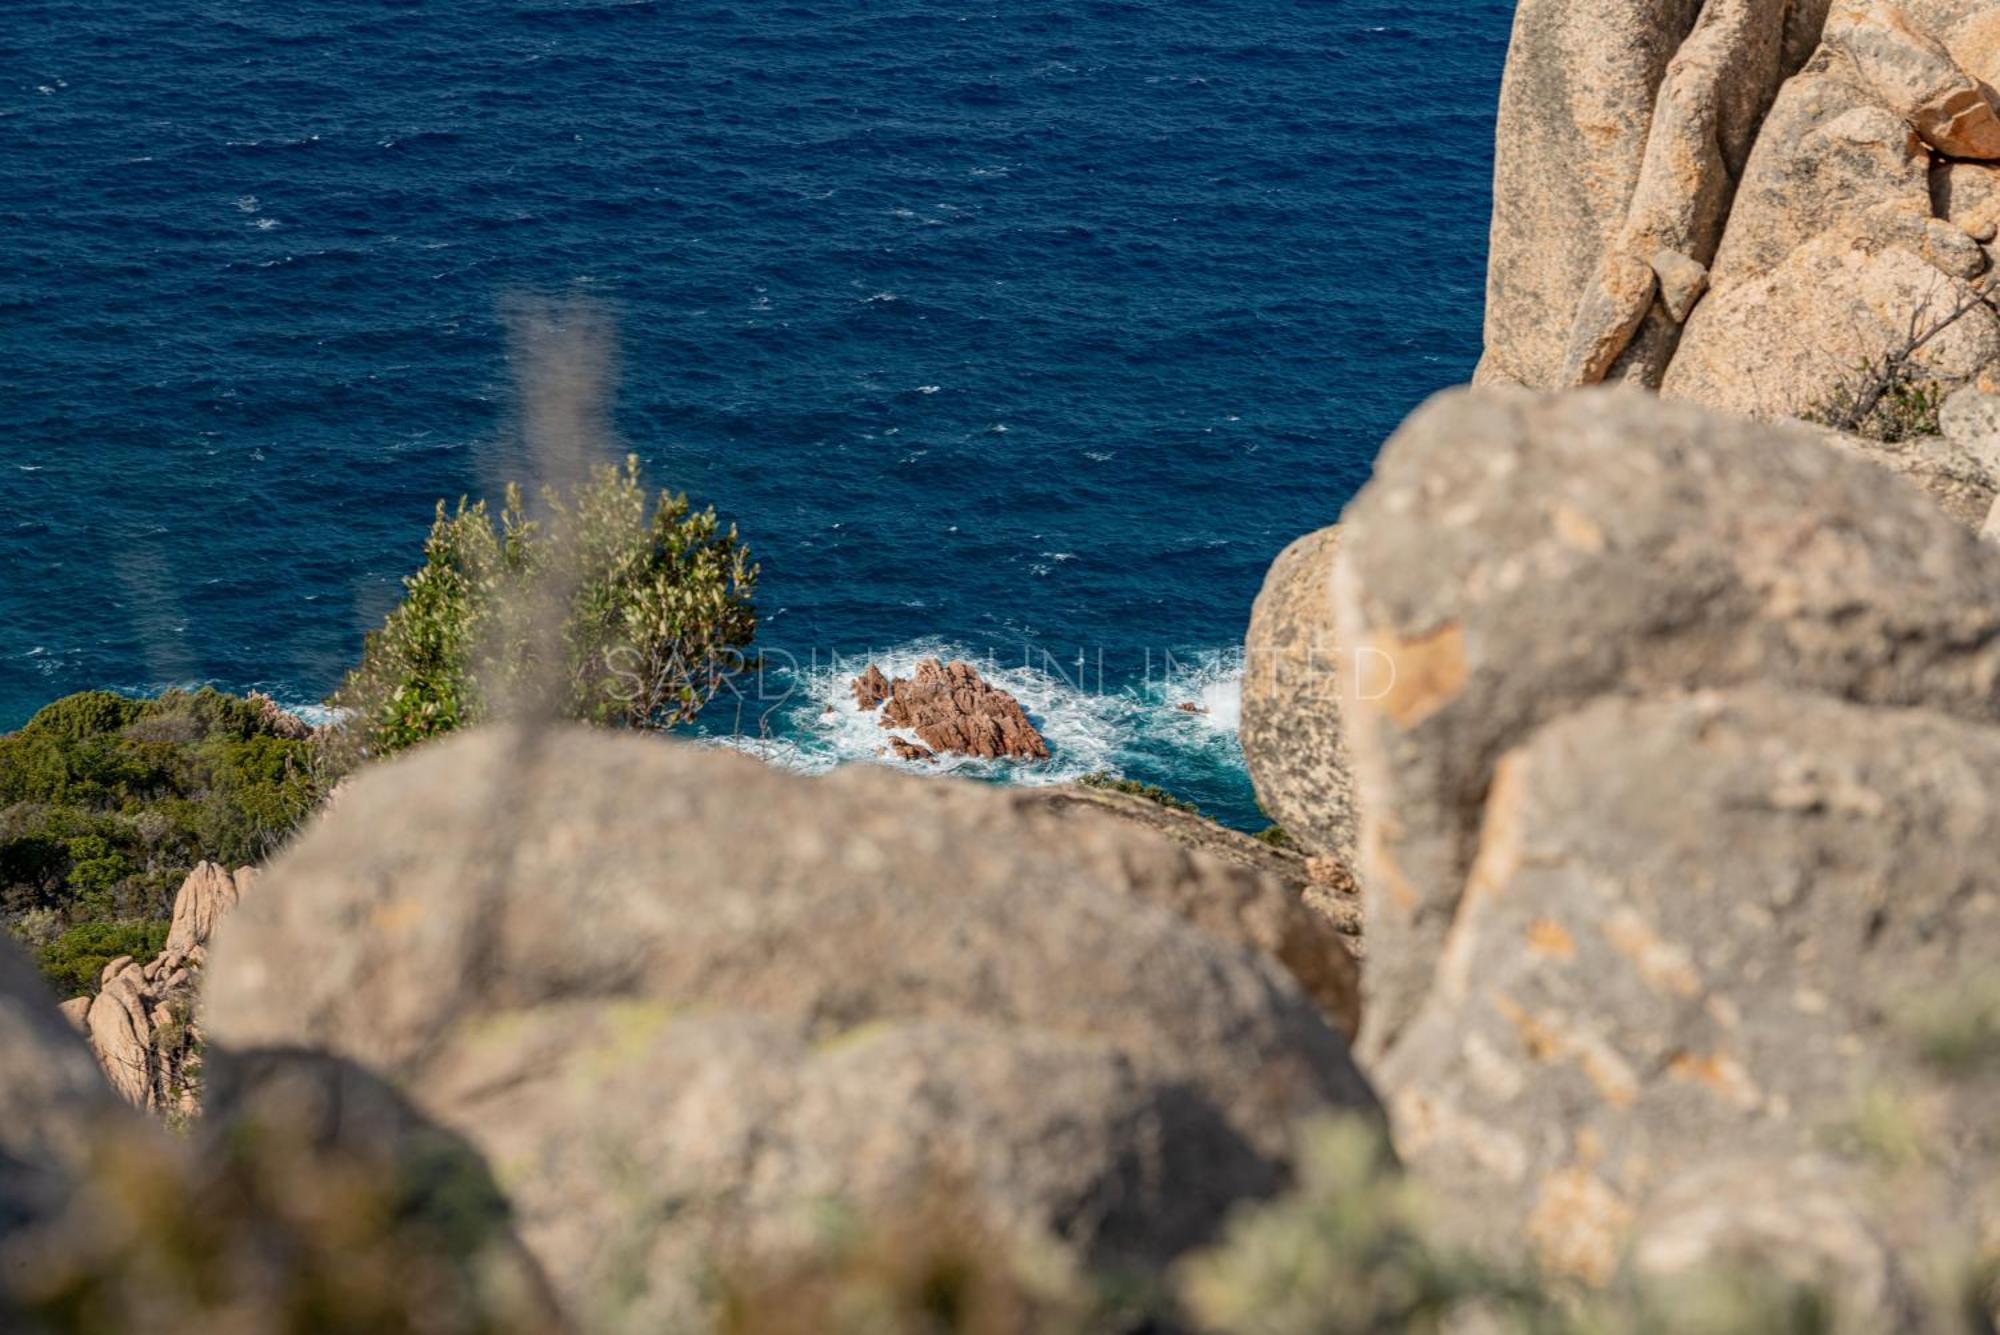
(1516, 557)
(1705, 117)
(1292, 682)
(1833, 259)
(678, 999)
(1277, 901)
(1646, 159)
(1576, 107)
(142, 1023)
(1751, 919)
(1961, 474)
(952, 708)
(1914, 75)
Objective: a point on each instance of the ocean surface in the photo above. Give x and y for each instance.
(1024, 331)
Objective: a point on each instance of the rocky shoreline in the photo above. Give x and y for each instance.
(1638, 759)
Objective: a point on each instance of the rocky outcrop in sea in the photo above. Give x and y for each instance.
(951, 708)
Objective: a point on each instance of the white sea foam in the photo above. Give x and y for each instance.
(818, 726)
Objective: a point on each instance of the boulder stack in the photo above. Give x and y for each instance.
(1675, 760)
(1755, 204)
(142, 1023)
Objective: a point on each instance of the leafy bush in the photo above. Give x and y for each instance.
(608, 610)
(1275, 836)
(73, 961)
(1106, 781)
(106, 804)
(1884, 401)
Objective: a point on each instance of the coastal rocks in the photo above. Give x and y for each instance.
(1576, 108)
(1751, 918)
(1705, 116)
(1751, 204)
(871, 688)
(208, 893)
(1833, 265)
(952, 708)
(277, 720)
(683, 1000)
(141, 1023)
(1516, 557)
(1914, 75)
(1291, 729)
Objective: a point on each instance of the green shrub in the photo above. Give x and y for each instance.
(1886, 401)
(1275, 836)
(73, 960)
(107, 803)
(612, 609)
(85, 714)
(1106, 781)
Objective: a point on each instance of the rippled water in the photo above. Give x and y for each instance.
(1029, 331)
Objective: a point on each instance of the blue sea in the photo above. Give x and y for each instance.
(1023, 331)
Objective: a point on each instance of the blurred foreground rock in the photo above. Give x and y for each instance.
(1676, 785)
(682, 1002)
(1516, 557)
(312, 1197)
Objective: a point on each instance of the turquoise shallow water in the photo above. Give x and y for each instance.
(1026, 331)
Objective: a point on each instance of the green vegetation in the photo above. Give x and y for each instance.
(607, 609)
(1885, 401)
(1112, 783)
(612, 608)
(1275, 836)
(1957, 1029)
(107, 803)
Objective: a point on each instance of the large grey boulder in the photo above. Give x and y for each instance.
(681, 1001)
(1516, 557)
(1292, 681)
(1296, 909)
(1757, 920)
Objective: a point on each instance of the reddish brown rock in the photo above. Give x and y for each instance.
(1190, 707)
(871, 688)
(952, 708)
(275, 717)
(911, 751)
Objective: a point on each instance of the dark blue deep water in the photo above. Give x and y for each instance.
(1029, 329)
